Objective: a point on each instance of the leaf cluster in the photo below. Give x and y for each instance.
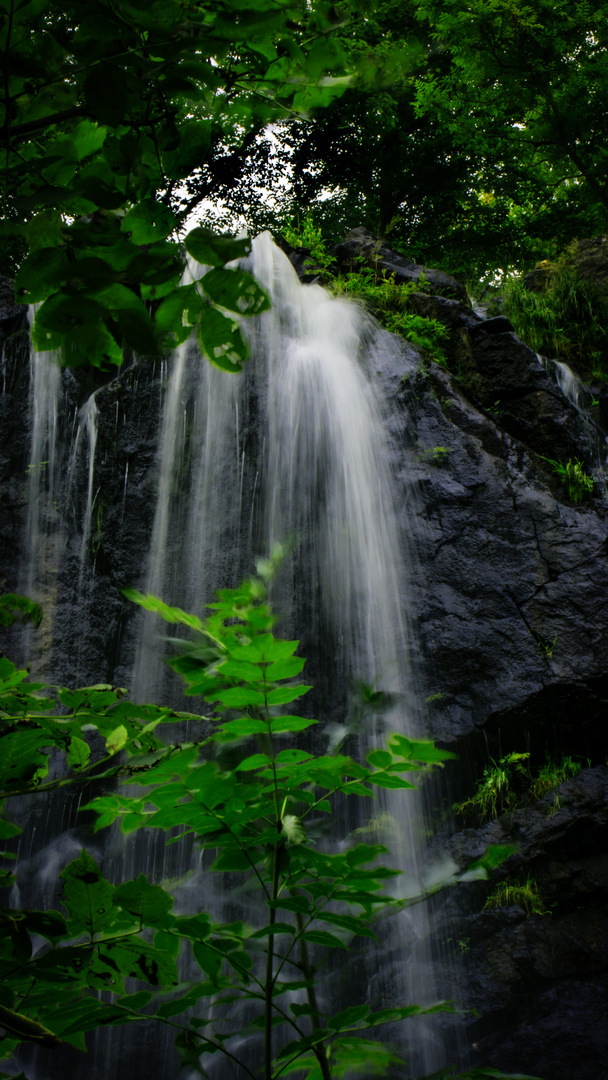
(254, 804)
(105, 113)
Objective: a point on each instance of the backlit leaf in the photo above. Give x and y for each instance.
(235, 290)
(282, 695)
(117, 739)
(147, 222)
(211, 249)
(148, 903)
(221, 341)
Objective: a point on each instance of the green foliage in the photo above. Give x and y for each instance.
(388, 300)
(251, 799)
(525, 894)
(574, 478)
(107, 113)
(523, 87)
(435, 454)
(510, 783)
(552, 774)
(16, 608)
(495, 791)
(478, 134)
(303, 233)
(568, 318)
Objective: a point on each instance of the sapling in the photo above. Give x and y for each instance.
(248, 798)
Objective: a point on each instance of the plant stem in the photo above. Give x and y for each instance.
(311, 995)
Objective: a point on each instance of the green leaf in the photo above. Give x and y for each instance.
(207, 959)
(44, 230)
(286, 668)
(281, 724)
(291, 757)
(148, 903)
(39, 274)
(8, 829)
(79, 753)
(117, 739)
(147, 222)
(493, 856)
(17, 608)
(349, 1017)
(232, 860)
(134, 958)
(274, 928)
(236, 291)
(419, 749)
(381, 759)
(237, 697)
(388, 780)
(135, 1001)
(284, 694)
(170, 614)
(239, 669)
(254, 761)
(323, 937)
(87, 896)
(211, 249)
(221, 341)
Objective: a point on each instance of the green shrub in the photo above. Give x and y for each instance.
(388, 301)
(379, 292)
(495, 793)
(304, 233)
(568, 319)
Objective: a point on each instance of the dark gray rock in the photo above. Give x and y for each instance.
(500, 372)
(539, 983)
(512, 617)
(361, 246)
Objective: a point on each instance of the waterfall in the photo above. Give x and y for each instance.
(579, 395)
(298, 449)
(88, 426)
(295, 448)
(38, 573)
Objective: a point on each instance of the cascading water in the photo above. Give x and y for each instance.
(295, 448)
(579, 395)
(42, 528)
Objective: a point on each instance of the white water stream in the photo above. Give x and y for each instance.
(293, 449)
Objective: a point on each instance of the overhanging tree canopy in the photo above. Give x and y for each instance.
(481, 135)
(107, 107)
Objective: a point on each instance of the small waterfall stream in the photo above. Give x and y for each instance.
(294, 449)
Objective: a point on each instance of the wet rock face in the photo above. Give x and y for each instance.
(539, 981)
(499, 372)
(512, 619)
(512, 622)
